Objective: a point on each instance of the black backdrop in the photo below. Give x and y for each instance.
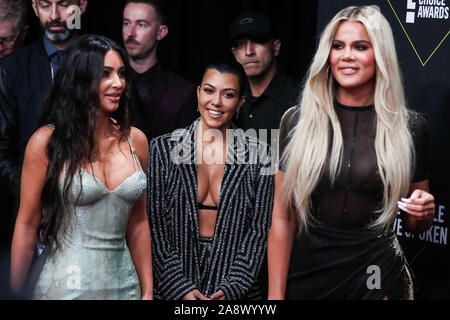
(198, 30)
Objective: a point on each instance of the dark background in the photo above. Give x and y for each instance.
(198, 30)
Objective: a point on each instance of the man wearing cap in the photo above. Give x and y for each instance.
(270, 92)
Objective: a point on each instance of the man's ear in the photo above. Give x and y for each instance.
(234, 51)
(34, 5)
(162, 32)
(83, 5)
(276, 47)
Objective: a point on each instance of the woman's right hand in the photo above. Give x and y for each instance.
(34, 171)
(195, 295)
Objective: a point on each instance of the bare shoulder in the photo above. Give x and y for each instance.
(290, 112)
(140, 144)
(39, 141)
(290, 117)
(138, 138)
(289, 122)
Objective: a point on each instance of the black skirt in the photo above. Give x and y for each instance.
(341, 264)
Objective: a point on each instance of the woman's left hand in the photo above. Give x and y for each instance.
(420, 205)
(219, 295)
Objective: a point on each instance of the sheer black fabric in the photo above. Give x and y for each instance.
(333, 259)
(357, 193)
(335, 264)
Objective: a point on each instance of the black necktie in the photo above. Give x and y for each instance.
(55, 59)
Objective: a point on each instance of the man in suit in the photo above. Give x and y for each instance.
(164, 101)
(13, 26)
(25, 78)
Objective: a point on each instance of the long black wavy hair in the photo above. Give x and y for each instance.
(73, 108)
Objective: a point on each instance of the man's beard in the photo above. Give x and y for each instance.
(58, 36)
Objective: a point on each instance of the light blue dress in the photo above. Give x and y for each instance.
(93, 261)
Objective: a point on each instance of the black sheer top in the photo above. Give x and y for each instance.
(357, 194)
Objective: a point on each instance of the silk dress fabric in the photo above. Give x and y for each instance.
(93, 261)
(333, 260)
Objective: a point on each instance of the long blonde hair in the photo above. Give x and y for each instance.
(305, 155)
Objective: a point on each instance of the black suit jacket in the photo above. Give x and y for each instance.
(169, 104)
(25, 80)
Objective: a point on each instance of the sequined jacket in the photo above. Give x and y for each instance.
(243, 222)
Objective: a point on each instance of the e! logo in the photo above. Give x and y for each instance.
(411, 15)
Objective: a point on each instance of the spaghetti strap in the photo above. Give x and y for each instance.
(51, 126)
(135, 158)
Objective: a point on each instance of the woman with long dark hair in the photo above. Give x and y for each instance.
(352, 156)
(82, 190)
(210, 194)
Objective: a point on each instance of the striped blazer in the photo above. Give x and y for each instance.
(243, 222)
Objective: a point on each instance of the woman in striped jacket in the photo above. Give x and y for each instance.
(210, 197)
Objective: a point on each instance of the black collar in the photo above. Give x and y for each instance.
(273, 90)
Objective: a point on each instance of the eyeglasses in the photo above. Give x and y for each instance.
(10, 40)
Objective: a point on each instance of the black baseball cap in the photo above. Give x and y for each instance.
(254, 24)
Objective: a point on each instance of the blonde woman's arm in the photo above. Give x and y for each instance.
(281, 237)
(418, 208)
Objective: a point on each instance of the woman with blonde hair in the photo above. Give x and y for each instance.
(351, 155)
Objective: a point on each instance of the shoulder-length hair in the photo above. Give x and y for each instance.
(72, 108)
(318, 128)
